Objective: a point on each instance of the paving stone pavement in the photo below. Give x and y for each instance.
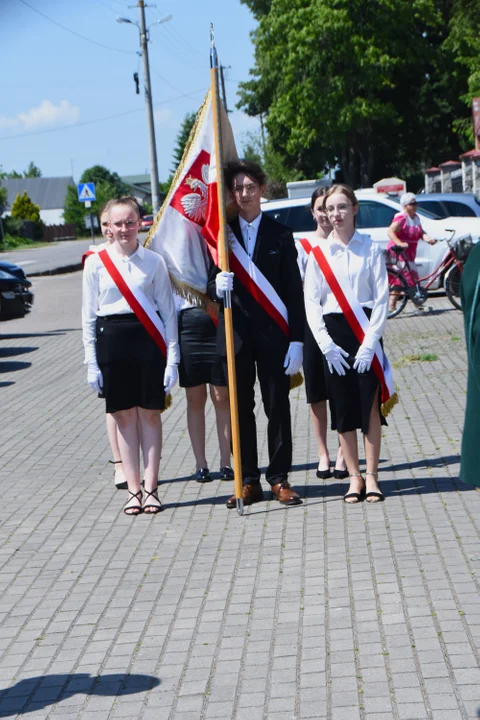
(323, 611)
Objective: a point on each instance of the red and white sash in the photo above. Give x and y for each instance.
(256, 283)
(359, 323)
(137, 301)
(306, 245)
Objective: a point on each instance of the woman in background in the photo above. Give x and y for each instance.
(315, 385)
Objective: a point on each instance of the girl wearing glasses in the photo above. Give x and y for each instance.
(124, 361)
(405, 232)
(356, 262)
(315, 385)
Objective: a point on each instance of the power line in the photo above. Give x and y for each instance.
(82, 37)
(107, 117)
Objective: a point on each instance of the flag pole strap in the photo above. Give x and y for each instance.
(225, 266)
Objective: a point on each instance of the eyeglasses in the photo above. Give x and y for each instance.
(248, 189)
(342, 209)
(129, 224)
(414, 202)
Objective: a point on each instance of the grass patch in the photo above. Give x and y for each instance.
(409, 359)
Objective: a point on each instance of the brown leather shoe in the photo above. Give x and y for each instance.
(284, 494)
(252, 493)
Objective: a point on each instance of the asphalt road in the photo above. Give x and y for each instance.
(52, 259)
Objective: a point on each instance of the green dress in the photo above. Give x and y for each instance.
(470, 294)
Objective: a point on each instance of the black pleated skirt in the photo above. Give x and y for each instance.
(199, 362)
(351, 395)
(313, 369)
(132, 364)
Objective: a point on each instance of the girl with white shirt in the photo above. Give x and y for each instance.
(353, 386)
(124, 362)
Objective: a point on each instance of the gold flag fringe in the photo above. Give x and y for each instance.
(168, 403)
(180, 169)
(296, 380)
(388, 406)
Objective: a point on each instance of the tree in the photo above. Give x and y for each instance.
(108, 185)
(3, 198)
(182, 139)
(464, 43)
(336, 84)
(32, 171)
(25, 209)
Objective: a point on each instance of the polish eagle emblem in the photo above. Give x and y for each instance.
(195, 203)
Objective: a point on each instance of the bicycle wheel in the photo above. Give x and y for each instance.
(452, 286)
(402, 297)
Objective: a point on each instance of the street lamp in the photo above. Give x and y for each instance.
(154, 181)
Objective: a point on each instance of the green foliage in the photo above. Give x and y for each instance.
(182, 139)
(371, 85)
(3, 198)
(32, 171)
(25, 209)
(16, 241)
(13, 226)
(108, 185)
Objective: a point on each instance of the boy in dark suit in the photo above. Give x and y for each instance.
(264, 345)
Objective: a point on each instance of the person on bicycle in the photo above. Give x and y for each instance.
(405, 232)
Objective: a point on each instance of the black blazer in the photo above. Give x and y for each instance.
(276, 256)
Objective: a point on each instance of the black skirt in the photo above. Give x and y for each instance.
(315, 384)
(131, 362)
(351, 395)
(199, 362)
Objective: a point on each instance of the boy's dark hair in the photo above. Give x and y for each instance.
(252, 169)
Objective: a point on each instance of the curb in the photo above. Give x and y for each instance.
(56, 271)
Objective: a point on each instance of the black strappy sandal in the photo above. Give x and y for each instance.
(377, 495)
(121, 485)
(151, 506)
(358, 497)
(133, 509)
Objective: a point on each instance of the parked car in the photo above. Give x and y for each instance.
(16, 298)
(444, 205)
(375, 215)
(146, 222)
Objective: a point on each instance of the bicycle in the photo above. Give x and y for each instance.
(450, 270)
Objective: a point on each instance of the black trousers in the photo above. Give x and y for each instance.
(274, 387)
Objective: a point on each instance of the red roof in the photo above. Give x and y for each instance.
(449, 163)
(433, 169)
(471, 154)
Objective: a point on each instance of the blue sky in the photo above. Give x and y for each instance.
(59, 89)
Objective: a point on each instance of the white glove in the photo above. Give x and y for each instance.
(363, 359)
(170, 378)
(95, 377)
(223, 282)
(293, 358)
(335, 357)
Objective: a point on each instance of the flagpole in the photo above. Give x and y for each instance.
(224, 265)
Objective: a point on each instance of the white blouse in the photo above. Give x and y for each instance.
(147, 271)
(362, 264)
(302, 255)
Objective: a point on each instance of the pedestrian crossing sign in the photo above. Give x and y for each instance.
(86, 191)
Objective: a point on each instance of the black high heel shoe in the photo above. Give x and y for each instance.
(356, 497)
(324, 474)
(340, 474)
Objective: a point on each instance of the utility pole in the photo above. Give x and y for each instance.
(152, 147)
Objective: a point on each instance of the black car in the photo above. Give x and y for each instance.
(16, 298)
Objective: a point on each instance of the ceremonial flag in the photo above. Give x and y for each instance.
(189, 214)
